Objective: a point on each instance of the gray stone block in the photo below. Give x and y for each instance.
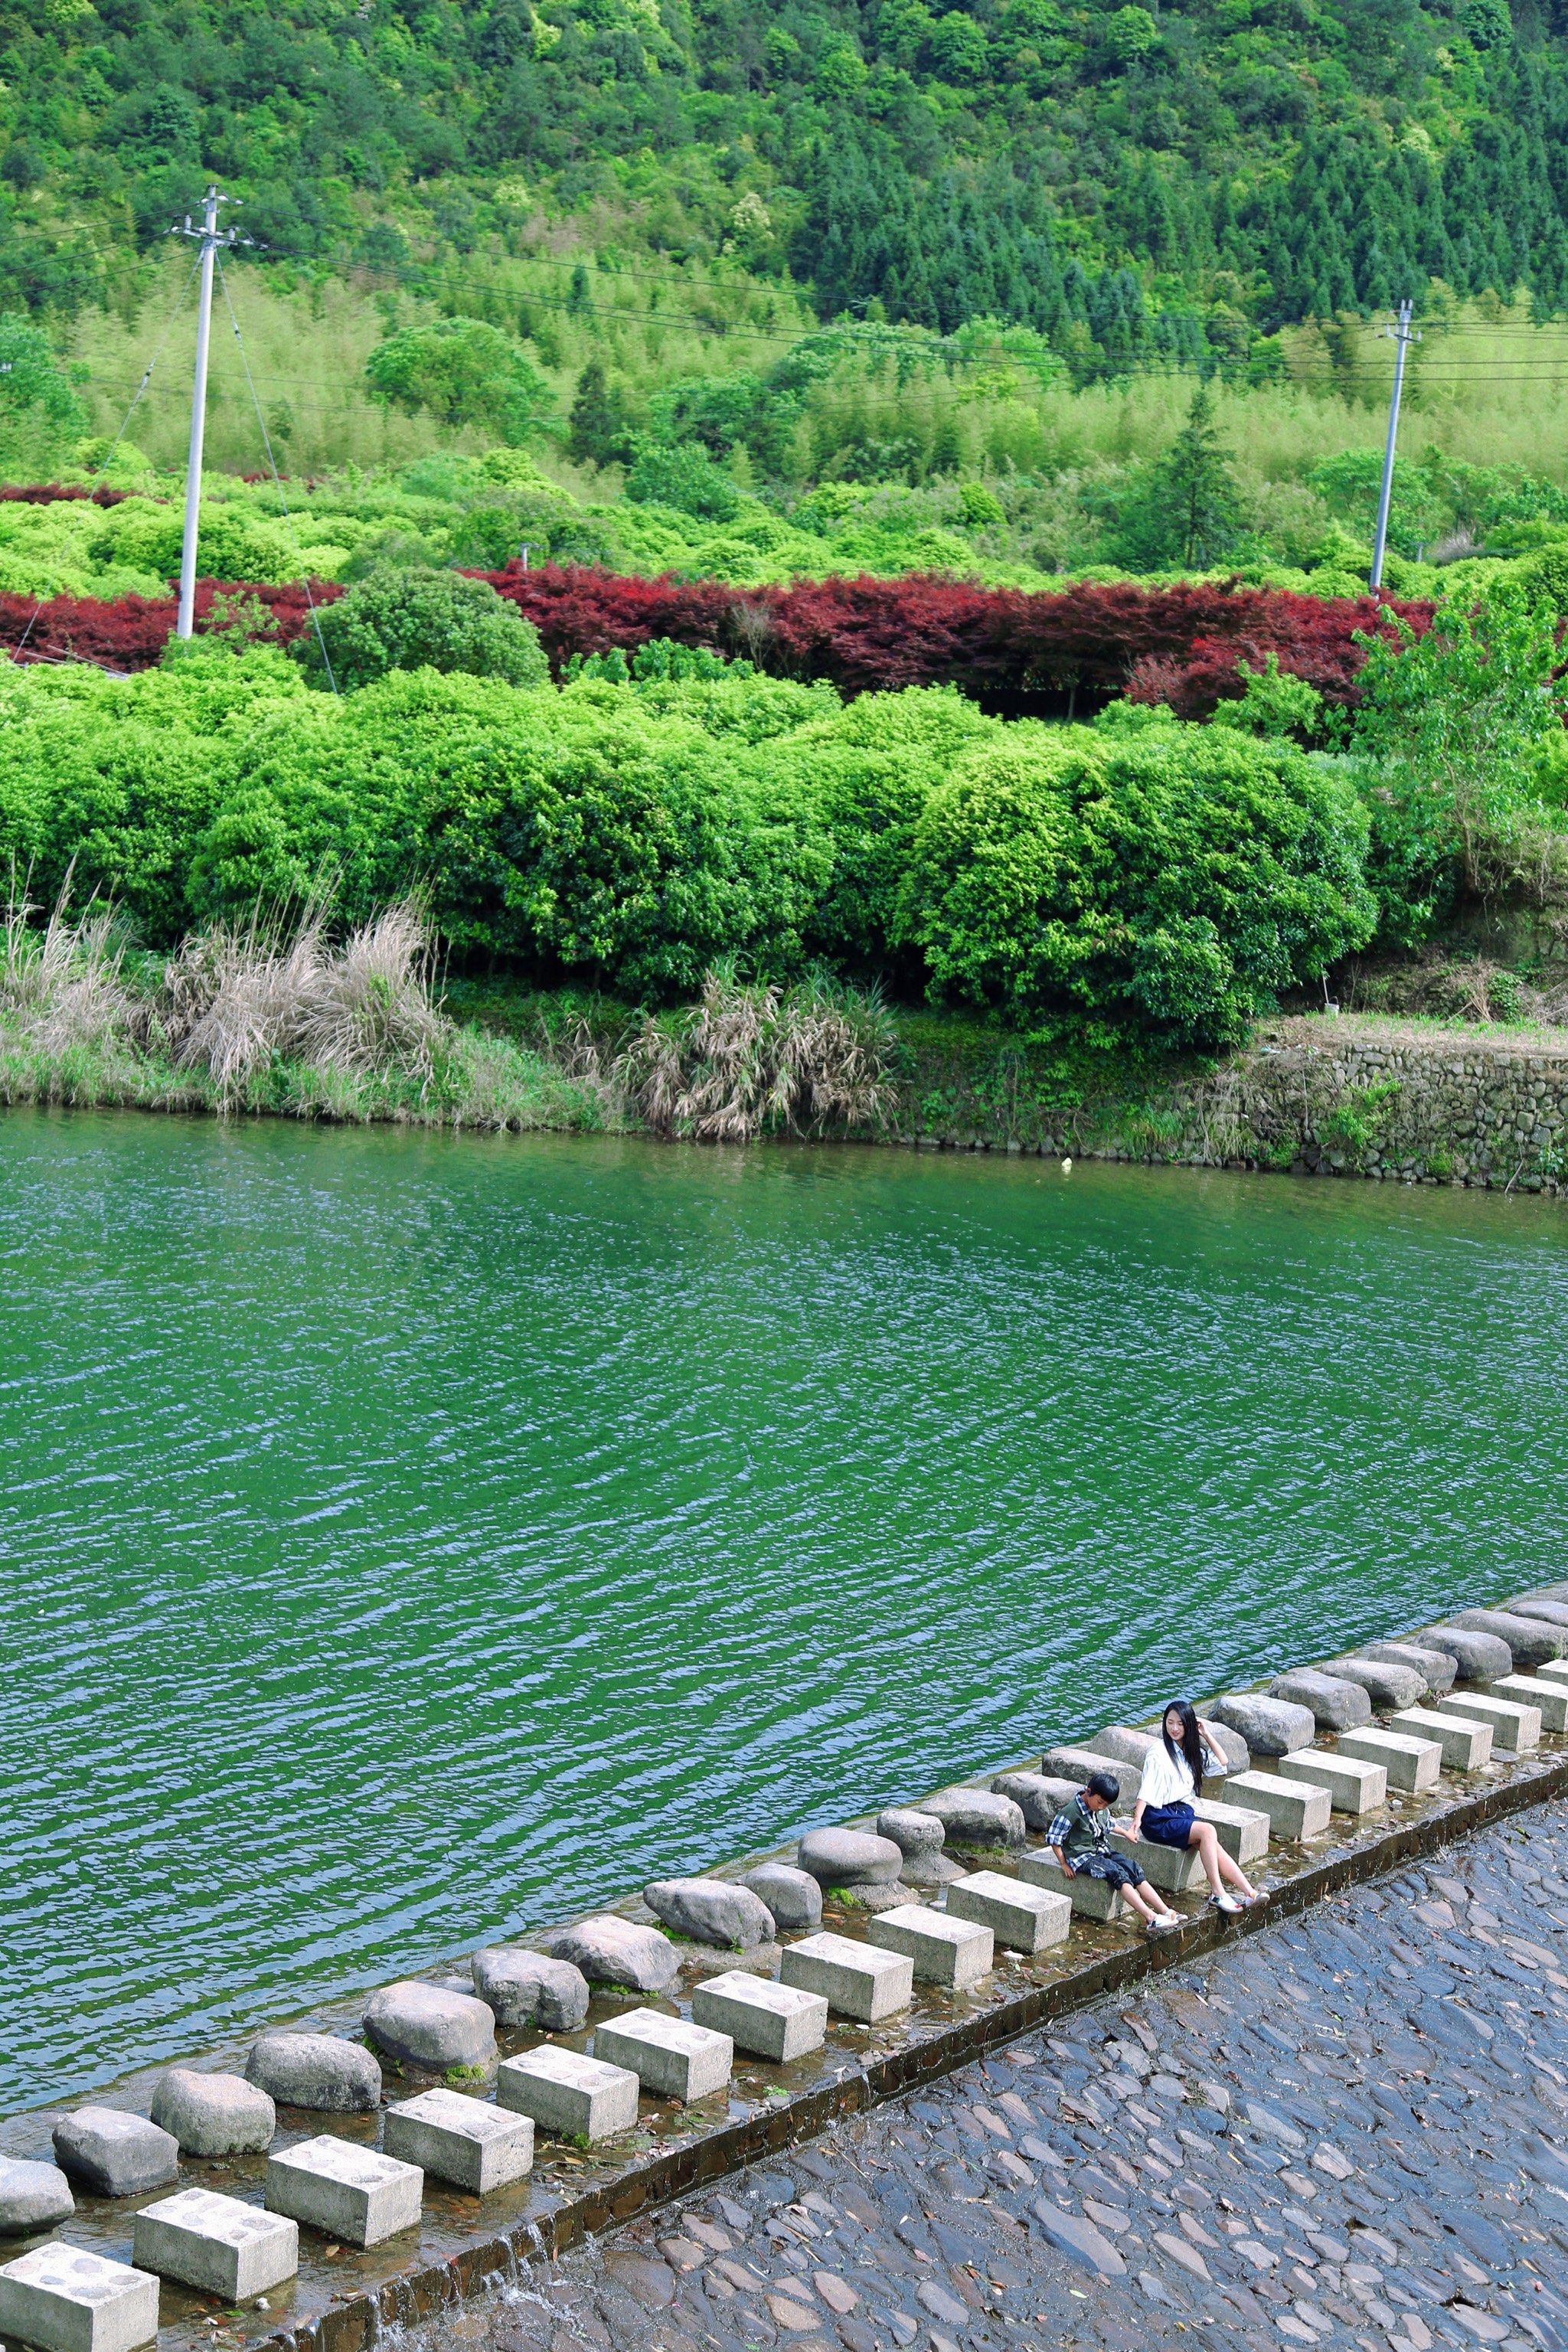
(911, 1830)
(1354, 1786)
(1173, 1869)
(1514, 1724)
(1039, 1797)
(952, 1952)
(1242, 1830)
(318, 2070)
(526, 1988)
(669, 2057)
(64, 2299)
(1335, 1705)
(849, 1858)
(1555, 1671)
(1295, 1810)
(213, 2115)
(1385, 1682)
(930, 1868)
(1024, 1917)
(609, 1949)
(1233, 1750)
(1479, 1657)
(427, 2026)
(113, 2154)
(1548, 1612)
(1124, 1746)
(218, 2243)
(1270, 1726)
(344, 2191)
(1079, 1764)
(572, 2097)
(1465, 1746)
(464, 2140)
(32, 2197)
(1438, 1666)
(1091, 1898)
(856, 1979)
(792, 1897)
(712, 1911)
(1412, 1764)
(1549, 1699)
(976, 1817)
(776, 2020)
(1531, 1642)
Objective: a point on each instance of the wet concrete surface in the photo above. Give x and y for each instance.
(1340, 2130)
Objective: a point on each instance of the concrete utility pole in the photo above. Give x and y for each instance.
(207, 235)
(1403, 337)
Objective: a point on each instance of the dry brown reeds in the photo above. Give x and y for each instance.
(751, 1058)
(63, 986)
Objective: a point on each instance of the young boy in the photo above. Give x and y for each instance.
(1080, 1839)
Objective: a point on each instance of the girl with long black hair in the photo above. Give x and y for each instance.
(1168, 1793)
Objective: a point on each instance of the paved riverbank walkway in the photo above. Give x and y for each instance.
(1337, 2130)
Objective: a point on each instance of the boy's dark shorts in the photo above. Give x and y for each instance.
(1115, 1869)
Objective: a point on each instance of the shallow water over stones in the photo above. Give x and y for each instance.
(406, 1540)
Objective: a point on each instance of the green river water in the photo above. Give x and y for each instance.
(406, 1538)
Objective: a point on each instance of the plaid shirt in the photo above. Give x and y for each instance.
(1076, 1830)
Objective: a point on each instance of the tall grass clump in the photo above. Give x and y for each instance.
(749, 1059)
(63, 986)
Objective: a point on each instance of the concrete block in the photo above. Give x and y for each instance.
(856, 1980)
(464, 2140)
(1025, 1918)
(216, 2242)
(1354, 1786)
(1549, 1699)
(1410, 1763)
(952, 1952)
(1242, 1830)
(1465, 1746)
(1514, 1724)
(1091, 1898)
(1174, 1869)
(1555, 1672)
(574, 2097)
(777, 2020)
(666, 2055)
(1295, 1808)
(68, 2300)
(344, 2191)
(1078, 1763)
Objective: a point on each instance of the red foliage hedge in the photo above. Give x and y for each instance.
(1180, 646)
(48, 493)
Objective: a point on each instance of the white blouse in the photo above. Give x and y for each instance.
(1168, 1779)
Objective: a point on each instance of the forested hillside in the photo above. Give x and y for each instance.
(1137, 183)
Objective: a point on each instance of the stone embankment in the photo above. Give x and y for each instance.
(623, 2059)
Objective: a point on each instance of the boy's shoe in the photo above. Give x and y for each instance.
(1227, 1903)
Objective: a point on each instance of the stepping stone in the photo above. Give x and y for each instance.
(610, 1951)
(776, 2020)
(1174, 1869)
(1465, 1746)
(1531, 1641)
(712, 1911)
(1547, 1612)
(666, 2055)
(1555, 1671)
(911, 1830)
(1336, 1705)
(1270, 1726)
(464, 2140)
(526, 1988)
(1080, 1765)
(113, 2154)
(1353, 1785)
(1295, 1810)
(431, 2027)
(1411, 1764)
(792, 1897)
(856, 1979)
(572, 2097)
(1549, 1699)
(319, 2070)
(1242, 1830)
(1025, 1918)
(1387, 1681)
(1479, 1657)
(344, 2191)
(1515, 1724)
(1437, 1666)
(1091, 1898)
(1124, 1747)
(849, 1858)
(66, 2300)
(976, 1817)
(32, 2196)
(215, 2242)
(1038, 1797)
(951, 1952)
(213, 2115)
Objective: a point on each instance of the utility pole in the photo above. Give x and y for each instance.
(209, 239)
(1403, 337)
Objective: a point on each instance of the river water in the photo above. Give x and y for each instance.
(406, 1538)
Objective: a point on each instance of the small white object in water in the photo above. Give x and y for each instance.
(1067, 1167)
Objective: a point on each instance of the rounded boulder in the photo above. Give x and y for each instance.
(1479, 1657)
(213, 2115)
(527, 1987)
(1531, 1641)
(1437, 1666)
(791, 1897)
(911, 1832)
(1270, 1726)
(712, 1911)
(1385, 1683)
(849, 1858)
(318, 2070)
(1336, 1705)
(609, 1949)
(113, 2154)
(32, 2196)
(429, 2027)
(976, 1817)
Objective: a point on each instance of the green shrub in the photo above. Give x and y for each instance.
(422, 619)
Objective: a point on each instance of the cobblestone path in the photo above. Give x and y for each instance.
(1343, 2130)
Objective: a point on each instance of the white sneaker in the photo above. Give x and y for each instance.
(1227, 1903)
(1167, 1926)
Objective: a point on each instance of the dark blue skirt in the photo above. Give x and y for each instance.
(1167, 1824)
